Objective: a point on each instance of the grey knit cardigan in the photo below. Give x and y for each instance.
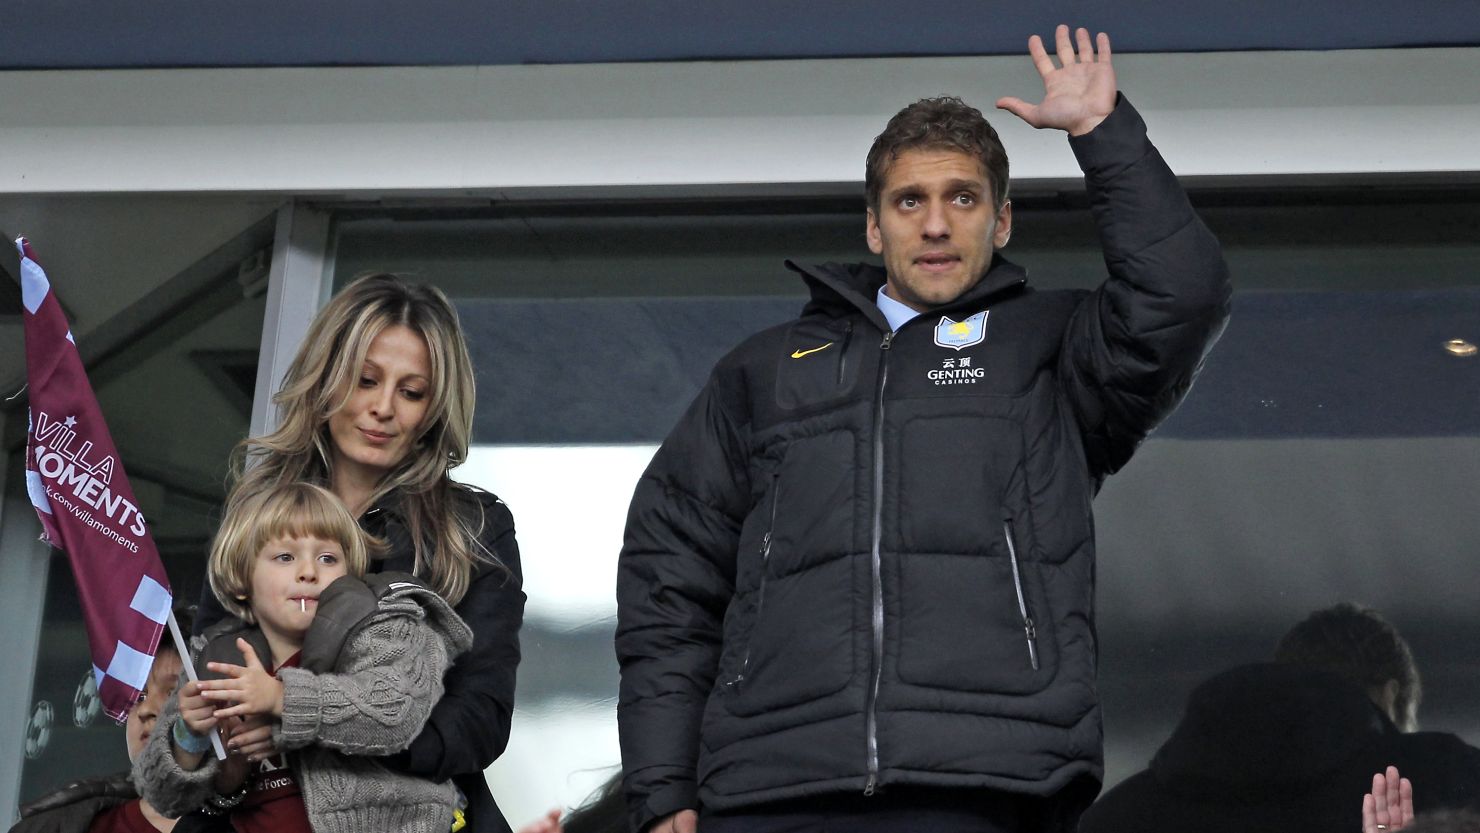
(385, 659)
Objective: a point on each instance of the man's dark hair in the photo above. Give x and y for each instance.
(185, 618)
(943, 123)
(1357, 643)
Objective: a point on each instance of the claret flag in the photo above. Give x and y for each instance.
(76, 482)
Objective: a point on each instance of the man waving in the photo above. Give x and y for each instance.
(856, 589)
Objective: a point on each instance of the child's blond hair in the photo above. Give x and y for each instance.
(290, 510)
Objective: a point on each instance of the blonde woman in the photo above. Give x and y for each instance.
(378, 407)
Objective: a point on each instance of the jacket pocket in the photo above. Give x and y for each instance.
(1030, 631)
(815, 368)
(975, 622)
(737, 679)
(794, 640)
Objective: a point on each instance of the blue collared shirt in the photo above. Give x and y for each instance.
(897, 313)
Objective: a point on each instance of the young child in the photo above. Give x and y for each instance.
(321, 665)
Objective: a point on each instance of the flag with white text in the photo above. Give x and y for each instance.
(76, 482)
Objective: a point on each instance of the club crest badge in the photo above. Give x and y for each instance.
(959, 335)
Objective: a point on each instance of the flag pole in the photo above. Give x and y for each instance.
(183, 648)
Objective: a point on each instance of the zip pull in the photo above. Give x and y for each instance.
(1032, 634)
(843, 354)
(871, 786)
(766, 545)
(1030, 631)
(888, 339)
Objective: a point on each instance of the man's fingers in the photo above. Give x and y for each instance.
(1394, 795)
(1086, 47)
(1022, 109)
(1103, 42)
(226, 668)
(1041, 61)
(1064, 47)
(1405, 802)
(1369, 814)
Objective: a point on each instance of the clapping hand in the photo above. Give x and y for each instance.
(1077, 95)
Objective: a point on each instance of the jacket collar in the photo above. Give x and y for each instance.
(838, 288)
(384, 520)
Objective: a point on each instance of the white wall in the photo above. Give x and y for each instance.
(485, 129)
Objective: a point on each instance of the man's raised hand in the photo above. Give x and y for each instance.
(1077, 95)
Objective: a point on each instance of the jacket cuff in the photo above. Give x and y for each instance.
(1115, 143)
(302, 709)
(425, 754)
(159, 777)
(664, 802)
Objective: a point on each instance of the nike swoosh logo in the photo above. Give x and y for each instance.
(797, 354)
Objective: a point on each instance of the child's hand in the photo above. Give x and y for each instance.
(250, 687)
(197, 712)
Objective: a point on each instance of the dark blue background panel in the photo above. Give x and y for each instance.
(42, 34)
(1291, 364)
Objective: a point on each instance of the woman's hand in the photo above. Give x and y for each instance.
(1390, 804)
(251, 738)
(548, 823)
(250, 687)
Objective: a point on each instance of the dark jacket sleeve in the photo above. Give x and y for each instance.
(1135, 344)
(675, 577)
(469, 727)
(208, 612)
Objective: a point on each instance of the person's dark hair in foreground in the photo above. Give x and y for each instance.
(1359, 644)
(605, 810)
(1287, 746)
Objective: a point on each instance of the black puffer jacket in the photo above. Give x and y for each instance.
(863, 560)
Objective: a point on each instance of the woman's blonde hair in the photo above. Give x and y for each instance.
(288, 510)
(444, 522)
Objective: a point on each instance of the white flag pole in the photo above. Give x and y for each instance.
(183, 648)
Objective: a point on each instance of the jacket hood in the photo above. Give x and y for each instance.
(1268, 728)
(840, 288)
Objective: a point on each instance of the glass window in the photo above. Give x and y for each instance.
(1326, 453)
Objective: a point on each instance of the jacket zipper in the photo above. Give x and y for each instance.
(1029, 630)
(843, 355)
(760, 596)
(878, 601)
